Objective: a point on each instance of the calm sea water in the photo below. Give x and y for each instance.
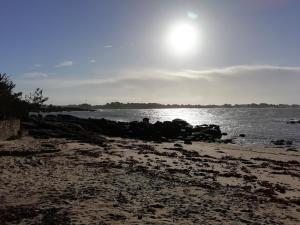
(260, 125)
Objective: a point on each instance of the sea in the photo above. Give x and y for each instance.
(260, 125)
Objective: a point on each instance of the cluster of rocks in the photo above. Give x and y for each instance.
(68, 126)
(293, 121)
(44, 129)
(282, 142)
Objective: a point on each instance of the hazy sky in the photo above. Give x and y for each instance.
(116, 50)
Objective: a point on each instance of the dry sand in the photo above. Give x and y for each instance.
(57, 181)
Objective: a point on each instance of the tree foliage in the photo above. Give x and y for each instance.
(7, 86)
(11, 103)
(36, 99)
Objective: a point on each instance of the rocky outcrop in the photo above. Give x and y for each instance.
(59, 129)
(86, 129)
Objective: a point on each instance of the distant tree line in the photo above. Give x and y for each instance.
(67, 108)
(13, 105)
(119, 105)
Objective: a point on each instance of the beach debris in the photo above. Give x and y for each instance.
(116, 217)
(121, 198)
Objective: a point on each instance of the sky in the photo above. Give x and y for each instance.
(98, 51)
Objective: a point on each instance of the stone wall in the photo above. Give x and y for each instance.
(9, 128)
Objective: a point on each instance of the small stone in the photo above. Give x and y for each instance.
(178, 145)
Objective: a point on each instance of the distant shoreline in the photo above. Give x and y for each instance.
(118, 105)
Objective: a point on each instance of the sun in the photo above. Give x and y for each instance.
(183, 39)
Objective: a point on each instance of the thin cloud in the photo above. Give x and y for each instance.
(64, 64)
(107, 46)
(242, 68)
(35, 75)
(192, 15)
(37, 65)
(92, 60)
(236, 84)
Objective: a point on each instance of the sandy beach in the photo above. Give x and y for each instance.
(129, 181)
(153, 112)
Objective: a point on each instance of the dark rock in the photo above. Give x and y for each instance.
(180, 122)
(121, 198)
(58, 129)
(71, 127)
(250, 178)
(293, 121)
(282, 142)
(292, 149)
(146, 120)
(50, 117)
(227, 141)
(280, 188)
(245, 169)
(140, 216)
(231, 174)
(278, 142)
(187, 142)
(269, 192)
(157, 206)
(242, 135)
(66, 117)
(33, 116)
(177, 145)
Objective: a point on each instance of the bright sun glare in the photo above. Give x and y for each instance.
(183, 39)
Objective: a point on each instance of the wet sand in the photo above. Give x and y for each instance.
(127, 181)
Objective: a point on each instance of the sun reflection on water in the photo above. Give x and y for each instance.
(260, 125)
